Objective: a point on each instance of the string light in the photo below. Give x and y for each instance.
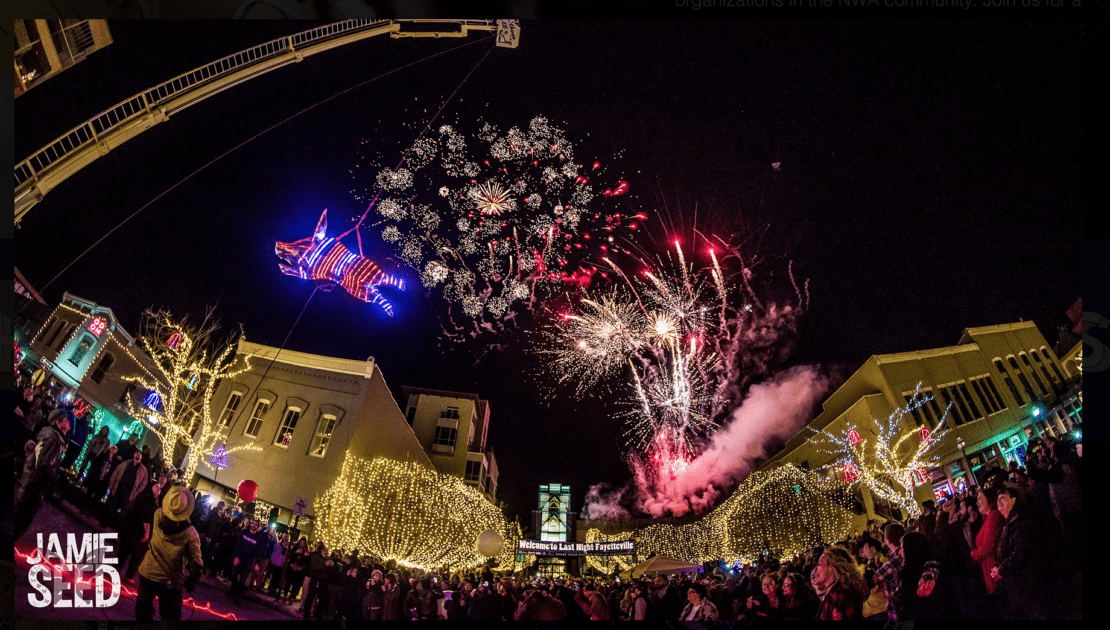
(891, 465)
(189, 367)
(412, 514)
(784, 509)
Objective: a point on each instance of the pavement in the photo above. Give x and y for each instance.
(209, 602)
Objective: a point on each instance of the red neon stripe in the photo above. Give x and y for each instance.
(124, 589)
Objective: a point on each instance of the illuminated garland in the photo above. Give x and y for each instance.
(785, 510)
(178, 407)
(409, 513)
(896, 460)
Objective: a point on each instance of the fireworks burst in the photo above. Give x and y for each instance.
(491, 199)
(657, 325)
(679, 338)
(504, 215)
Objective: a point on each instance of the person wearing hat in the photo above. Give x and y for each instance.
(40, 470)
(174, 549)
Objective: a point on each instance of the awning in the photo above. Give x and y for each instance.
(662, 565)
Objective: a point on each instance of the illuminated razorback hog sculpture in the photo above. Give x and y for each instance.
(328, 262)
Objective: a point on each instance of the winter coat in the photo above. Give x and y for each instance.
(707, 612)
(170, 552)
(40, 469)
(97, 445)
(986, 547)
(250, 547)
(391, 604)
(1020, 567)
(141, 479)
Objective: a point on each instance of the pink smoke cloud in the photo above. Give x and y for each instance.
(772, 412)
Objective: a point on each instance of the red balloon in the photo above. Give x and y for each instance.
(248, 491)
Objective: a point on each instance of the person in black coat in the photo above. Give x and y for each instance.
(1020, 568)
(486, 606)
(668, 601)
(135, 535)
(250, 549)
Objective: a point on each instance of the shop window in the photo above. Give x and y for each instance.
(1021, 376)
(1049, 359)
(54, 327)
(971, 403)
(288, 424)
(320, 441)
(444, 439)
(255, 423)
(66, 329)
(1009, 381)
(473, 471)
(230, 407)
(102, 368)
(125, 397)
(82, 349)
(1040, 386)
(912, 404)
(953, 408)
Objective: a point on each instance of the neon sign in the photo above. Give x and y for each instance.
(97, 326)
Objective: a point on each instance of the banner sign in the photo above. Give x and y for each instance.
(559, 548)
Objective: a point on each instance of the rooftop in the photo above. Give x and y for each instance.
(304, 359)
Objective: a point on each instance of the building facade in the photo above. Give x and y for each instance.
(43, 48)
(553, 520)
(452, 428)
(1001, 384)
(304, 413)
(85, 350)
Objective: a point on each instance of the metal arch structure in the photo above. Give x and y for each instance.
(51, 165)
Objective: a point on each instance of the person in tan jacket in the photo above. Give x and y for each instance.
(173, 560)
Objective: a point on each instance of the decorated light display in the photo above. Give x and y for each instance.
(889, 466)
(410, 513)
(219, 457)
(98, 325)
(175, 340)
(784, 509)
(853, 437)
(691, 331)
(153, 401)
(182, 414)
(328, 262)
(495, 219)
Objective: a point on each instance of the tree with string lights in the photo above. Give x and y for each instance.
(896, 461)
(188, 364)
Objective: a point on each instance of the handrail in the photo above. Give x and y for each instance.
(28, 171)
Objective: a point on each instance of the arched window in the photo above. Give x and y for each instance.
(82, 349)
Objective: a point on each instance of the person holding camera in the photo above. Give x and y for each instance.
(174, 552)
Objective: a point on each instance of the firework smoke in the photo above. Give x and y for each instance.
(771, 413)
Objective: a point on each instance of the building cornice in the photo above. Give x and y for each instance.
(261, 353)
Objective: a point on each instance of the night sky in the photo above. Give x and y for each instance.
(929, 181)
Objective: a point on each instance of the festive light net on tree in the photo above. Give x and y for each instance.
(490, 219)
(409, 513)
(892, 458)
(785, 510)
(178, 404)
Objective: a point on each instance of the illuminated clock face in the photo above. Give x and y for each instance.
(97, 326)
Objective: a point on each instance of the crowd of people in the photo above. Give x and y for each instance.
(1006, 549)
